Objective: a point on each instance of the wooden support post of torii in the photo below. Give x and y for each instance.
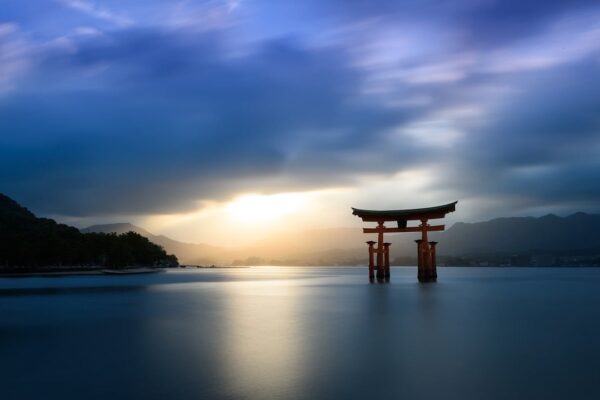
(420, 260)
(380, 267)
(386, 260)
(426, 250)
(433, 261)
(371, 261)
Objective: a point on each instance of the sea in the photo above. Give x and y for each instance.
(303, 333)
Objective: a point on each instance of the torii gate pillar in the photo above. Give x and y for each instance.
(386, 260)
(371, 260)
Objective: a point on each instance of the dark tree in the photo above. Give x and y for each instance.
(27, 241)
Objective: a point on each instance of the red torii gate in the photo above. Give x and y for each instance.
(425, 249)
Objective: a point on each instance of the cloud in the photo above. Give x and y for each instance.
(569, 39)
(540, 146)
(96, 11)
(14, 56)
(169, 118)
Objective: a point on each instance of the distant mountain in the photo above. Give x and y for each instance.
(327, 245)
(576, 233)
(30, 242)
(118, 228)
(187, 253)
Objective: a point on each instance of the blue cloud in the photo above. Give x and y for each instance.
(169, 116)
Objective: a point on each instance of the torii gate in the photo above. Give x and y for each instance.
(425, 249)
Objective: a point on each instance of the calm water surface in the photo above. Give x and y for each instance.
(303, 333)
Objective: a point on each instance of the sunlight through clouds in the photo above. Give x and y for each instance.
(250, 217)
(254, 208)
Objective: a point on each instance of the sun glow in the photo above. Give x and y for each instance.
(253, 208)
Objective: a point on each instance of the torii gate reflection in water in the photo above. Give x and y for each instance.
(425, 249)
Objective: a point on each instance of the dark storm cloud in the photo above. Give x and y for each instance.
(484, 24)
(495, 22)
(167, 117)
(542, 145)
(552, 119)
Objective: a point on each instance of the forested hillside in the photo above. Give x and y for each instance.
(26, 240)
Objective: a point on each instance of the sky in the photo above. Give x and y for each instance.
(223, 121)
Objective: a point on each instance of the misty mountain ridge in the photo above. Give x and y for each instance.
(187, 253)
(550, 233)
(576, 233)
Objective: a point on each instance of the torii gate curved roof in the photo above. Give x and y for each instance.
(411, 214)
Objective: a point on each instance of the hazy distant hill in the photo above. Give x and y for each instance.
(187, 253)
(308, 246)
(550, 234)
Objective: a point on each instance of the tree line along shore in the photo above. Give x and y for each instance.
(29, 244)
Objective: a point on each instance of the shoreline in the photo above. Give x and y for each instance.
(74, 271)
(48, 274)
(84, 271)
